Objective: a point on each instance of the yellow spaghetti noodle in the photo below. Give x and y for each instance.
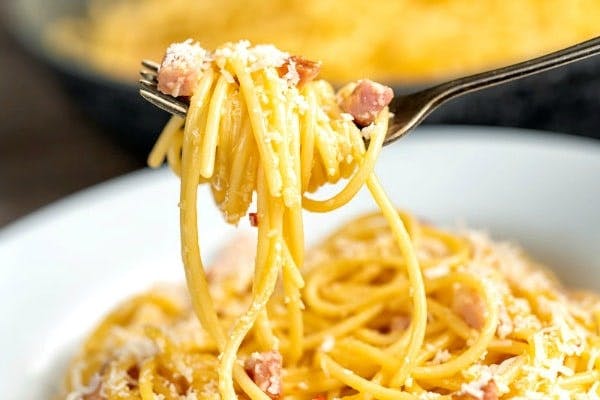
(386, 308)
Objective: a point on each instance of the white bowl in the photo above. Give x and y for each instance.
(64, 266)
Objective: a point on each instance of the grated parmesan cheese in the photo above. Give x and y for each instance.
(117, 382)
(187, 53)
(367, 131)
(254, 57)
(441, 356)
(475, 387)
(429, 396)
(328, 344)
(291, 76)
(80, 391)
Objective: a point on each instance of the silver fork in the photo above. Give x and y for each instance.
(411, 109)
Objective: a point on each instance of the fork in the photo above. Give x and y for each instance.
(411, 109)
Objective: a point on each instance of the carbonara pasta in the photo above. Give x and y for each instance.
(399, 41)
(386, 308)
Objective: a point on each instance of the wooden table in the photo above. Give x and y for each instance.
(48, 149)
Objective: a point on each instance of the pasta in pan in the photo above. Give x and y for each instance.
(398, 41)
(385, 308)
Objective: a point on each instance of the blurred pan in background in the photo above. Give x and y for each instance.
(564, 100)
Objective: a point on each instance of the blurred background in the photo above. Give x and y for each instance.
(70, 115)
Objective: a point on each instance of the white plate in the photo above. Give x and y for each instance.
(64, 266)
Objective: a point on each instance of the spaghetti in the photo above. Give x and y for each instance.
(386, 308)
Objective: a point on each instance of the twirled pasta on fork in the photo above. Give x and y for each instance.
(386, 308)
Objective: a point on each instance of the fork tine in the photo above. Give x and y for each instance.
(148, 84)
(149, 91)
(149, 76)
(162, 101)
(151, 65)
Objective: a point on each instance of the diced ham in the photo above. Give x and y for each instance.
(300, 70)
(399, 323)
(253, 218)
(235, 263)
(265, 370)
(490, 392)
(181, 68)
(469, 306)
(366, 101)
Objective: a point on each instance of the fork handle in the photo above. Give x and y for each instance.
(483, 80)
(409, 110)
